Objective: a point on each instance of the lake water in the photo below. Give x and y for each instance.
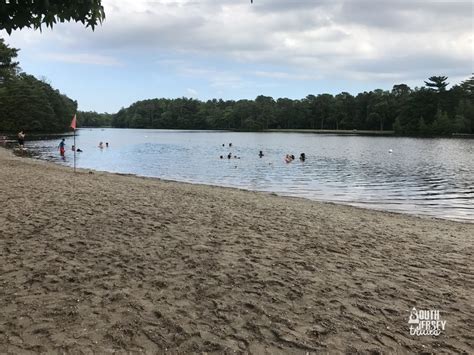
(432, 177)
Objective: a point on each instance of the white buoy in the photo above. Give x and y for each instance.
(390, 151)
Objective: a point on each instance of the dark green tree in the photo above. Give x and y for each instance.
(401, 90)
(423, 128)
(8, 67)
(17, 14)
(441, 125)
(265, 107)
(397, 126)
(325, 109)
(405, 110)
(284, 112)
(344, 110)
(27, 103)
(437, 83)
(93, 119)
(379, 109)
(468, 86)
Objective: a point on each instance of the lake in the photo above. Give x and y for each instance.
(433, 177)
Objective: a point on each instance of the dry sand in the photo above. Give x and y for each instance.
(97, 263)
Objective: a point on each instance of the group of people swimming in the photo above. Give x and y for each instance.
(288, 158)
(62, 147)
(229, 156)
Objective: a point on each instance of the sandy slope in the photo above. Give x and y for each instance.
(92, 263)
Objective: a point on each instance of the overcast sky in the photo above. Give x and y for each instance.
(231, 49)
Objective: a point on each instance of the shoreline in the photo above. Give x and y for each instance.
(102, 262)
(353, 204)
(341, 132)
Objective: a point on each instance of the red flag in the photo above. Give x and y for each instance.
(73, 123)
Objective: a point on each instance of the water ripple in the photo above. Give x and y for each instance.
(433, 177)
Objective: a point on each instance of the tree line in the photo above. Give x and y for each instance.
(429, 110)
(27, 103)
(94, 119)
(31, 104)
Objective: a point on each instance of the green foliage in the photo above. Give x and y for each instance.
(438, 83)
(93, 119)
(397, 126)
(401, 90)
(32, 105)
(8, 67)
(423, 128)
(441, 124)
(461, 124)
(468, 87)
(406, 111)
(464, 119)
(27, 103)
(17, 14)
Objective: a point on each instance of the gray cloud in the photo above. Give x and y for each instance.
(414, 15)
(353, 39)
(405, 66)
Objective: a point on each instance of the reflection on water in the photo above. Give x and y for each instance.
(423, 176)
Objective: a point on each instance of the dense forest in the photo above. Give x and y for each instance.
(27, 103)
(429, 110)
(94, 119)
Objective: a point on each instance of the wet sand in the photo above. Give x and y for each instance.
(97, 263)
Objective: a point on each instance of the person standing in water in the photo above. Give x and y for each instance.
(260, 154)
(61, 147)
(21, 140)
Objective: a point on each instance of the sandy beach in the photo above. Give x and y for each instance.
(99, 263)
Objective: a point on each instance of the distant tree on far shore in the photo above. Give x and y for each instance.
(437, 82)
(33, 105)
(425, 111)
(93, 119)
(468, 85)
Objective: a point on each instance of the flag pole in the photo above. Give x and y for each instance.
(73, 126)
(75, 148)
